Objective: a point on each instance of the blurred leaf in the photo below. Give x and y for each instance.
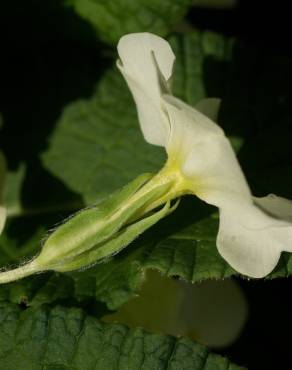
(112, 19)
(212, 312)
(95, 138)
(64, 338)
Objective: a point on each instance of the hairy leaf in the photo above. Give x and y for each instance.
(64, 338)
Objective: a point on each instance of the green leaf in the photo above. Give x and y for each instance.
(63, 338)
(103, 140)
(112, 19)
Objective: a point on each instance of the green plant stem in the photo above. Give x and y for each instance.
(19, 273)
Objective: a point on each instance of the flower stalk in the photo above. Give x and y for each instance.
(99, 232)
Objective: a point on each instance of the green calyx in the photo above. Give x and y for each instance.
(94, 234)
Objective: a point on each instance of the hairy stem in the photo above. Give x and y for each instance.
(19, 272)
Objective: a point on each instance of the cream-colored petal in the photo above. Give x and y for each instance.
(204, 155)
(135, 51)
(276, 206)
(153, 122)
(209, 107)
(146, 62)
(195, 118)
(250, 240)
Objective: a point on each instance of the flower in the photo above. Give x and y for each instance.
(252, 231)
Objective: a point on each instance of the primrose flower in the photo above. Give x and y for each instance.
(252, 231)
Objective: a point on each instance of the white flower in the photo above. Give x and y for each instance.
(252, 231)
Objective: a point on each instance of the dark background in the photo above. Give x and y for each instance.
(42, 68)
